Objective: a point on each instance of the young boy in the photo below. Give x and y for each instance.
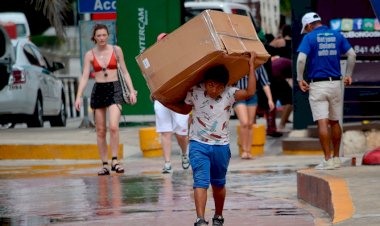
(211, 102)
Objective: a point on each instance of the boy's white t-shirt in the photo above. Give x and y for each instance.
(210, 117)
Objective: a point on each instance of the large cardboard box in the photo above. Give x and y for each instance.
(177, 62)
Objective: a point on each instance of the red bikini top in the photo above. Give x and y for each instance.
(111, 65)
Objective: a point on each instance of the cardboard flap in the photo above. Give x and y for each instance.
(232, 25)
(234, 45)
(238, 46)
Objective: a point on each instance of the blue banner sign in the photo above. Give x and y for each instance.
(97, 6)
(376, 7)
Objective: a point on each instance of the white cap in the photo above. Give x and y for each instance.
(309, 18)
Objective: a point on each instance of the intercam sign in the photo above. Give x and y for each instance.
(143, 16)
(138, 24)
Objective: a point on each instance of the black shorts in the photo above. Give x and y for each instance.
(106, 94)
(280, 90)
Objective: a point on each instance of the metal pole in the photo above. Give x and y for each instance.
(86, 122)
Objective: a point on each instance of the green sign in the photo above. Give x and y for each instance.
(138, 24)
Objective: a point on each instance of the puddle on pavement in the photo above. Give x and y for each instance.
(27, 201)
(262, 172)
(39, 201)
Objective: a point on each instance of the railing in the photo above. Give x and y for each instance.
(71, 87)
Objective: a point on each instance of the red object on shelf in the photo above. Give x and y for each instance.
(103, 16)
(372, 157)
(11, 29)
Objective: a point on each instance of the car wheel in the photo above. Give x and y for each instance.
(36, 120)
(61, 118)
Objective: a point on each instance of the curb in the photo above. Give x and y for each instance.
(326, 192)
(53, 151)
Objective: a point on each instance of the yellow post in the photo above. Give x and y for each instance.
(258, 139)
(150, 144)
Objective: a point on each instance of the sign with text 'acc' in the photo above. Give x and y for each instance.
(97, 6)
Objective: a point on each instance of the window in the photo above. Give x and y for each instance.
(30, 55)
(40, 58)
(21, 30)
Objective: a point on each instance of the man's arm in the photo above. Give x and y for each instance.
(301, 61)
(351, 60)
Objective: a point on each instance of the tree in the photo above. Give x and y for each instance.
(55, 11)
(286, 7)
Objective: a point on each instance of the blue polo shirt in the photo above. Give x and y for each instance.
(323, 48)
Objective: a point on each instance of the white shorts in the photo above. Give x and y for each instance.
(326, 100)
(170, 121)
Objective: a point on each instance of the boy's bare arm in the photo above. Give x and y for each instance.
(251, 89)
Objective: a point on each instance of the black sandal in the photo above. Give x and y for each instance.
(117, 168)
(104, 171)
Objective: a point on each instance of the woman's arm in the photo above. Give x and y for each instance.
(84, 79)
(268, 93)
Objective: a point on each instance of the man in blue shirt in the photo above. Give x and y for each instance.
(322, 48)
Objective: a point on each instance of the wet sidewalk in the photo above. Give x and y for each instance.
(263, 191)
(66, 193)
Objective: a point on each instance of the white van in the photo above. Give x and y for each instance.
(18, 18)
(7, 56)
(194, 8)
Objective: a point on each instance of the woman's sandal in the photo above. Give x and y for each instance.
(117, 168)
(104, 171)
(246, 155)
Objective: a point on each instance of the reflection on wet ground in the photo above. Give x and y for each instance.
(147, 198)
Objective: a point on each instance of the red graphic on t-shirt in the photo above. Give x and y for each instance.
(201, 122)
(215, 135)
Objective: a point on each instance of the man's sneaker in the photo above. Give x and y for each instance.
(326, 165)
(217, 221)
(200, 222)
(167, 167)
(337, 162)
(185, 162)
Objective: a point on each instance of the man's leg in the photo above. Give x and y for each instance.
(287, 109)
(183, 141)
(219, 194)
(336, 136)
(200, 198)
(324, 137)
(166, 145)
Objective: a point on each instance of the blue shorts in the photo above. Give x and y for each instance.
(252, 101)
(209, 163)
